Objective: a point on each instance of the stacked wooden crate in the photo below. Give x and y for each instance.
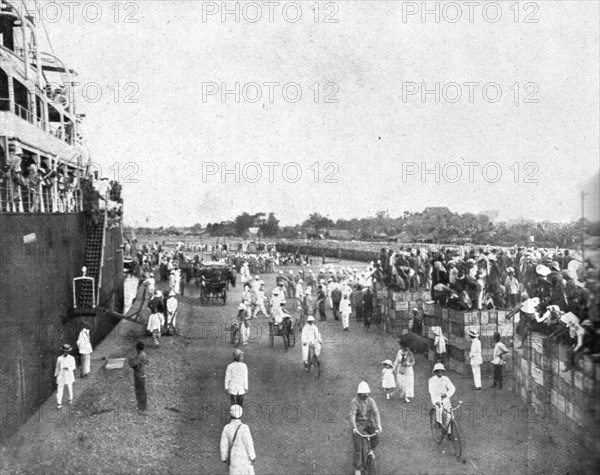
(457, 324)
(398, 310)
(545, 379)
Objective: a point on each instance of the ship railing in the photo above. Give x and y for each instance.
(16, 198)
(57, 130)
(7, 202)
(24, 113)
(10, 196)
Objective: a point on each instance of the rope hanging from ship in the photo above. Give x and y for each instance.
(129, 316)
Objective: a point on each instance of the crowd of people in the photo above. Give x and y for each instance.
(485, 278)
(555, 291)
(30, 186)
(341, 292)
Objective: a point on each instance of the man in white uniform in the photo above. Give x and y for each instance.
(441, 390)
(310, 337)
(64, 374)
(279, 314)
(236, 378)
(260, 302)
(475, 359)
(171, 316)
(102, 186)
(237, 447)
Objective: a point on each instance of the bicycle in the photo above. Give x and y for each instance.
(449, 429)
(313, 360)
(370, 465)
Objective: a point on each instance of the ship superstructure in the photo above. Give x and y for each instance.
(51, 224)
(39, 126)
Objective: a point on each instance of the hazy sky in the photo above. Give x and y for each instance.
(361, 133)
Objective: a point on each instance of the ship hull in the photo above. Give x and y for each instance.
(40, 254)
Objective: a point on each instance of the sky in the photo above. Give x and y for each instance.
(352, 108)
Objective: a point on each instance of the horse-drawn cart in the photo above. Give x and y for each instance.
(212, 277)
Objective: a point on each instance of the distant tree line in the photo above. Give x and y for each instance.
(436, 225)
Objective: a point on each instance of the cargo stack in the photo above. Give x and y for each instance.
(545, 379)
(456, 325)
(396, 309)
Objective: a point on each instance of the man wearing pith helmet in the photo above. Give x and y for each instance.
(310, 337)
(364, 418)
(237, 447)
(441, 390)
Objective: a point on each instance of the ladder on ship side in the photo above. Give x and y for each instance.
(86, 289)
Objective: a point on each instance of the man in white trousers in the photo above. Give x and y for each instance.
(310, 336)
(64, 374)
(237, 447)
(475, 359)
(345, 311)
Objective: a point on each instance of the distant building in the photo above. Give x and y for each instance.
(404, 236)
(341, 234)
(437, 211)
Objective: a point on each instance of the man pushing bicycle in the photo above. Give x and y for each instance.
(441, 390)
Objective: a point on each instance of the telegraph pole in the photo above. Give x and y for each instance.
(582, 229)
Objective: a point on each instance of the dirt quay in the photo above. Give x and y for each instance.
(299, 423)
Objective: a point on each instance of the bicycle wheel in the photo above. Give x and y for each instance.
(455, 438)
(371, 466)
(436, 428)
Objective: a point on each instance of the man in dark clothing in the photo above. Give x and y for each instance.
(565, 260)
(438, 276)
(367, 304)
(139, 363)
(577, 300)
(558, 286)
(356, 298)
(336, 298)
(321, 303)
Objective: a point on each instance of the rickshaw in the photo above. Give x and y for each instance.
(287, 330)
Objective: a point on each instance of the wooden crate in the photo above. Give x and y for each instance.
(484, 317)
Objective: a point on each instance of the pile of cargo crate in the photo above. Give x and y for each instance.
(396, 308)
(456, 324)
(545, 379)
